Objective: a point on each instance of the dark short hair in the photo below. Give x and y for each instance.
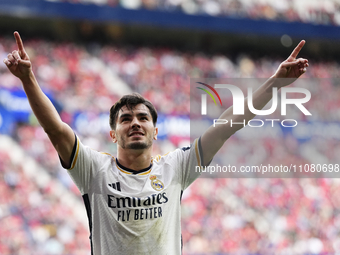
(130, 101)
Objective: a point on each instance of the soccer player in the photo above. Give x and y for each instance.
(133, 200)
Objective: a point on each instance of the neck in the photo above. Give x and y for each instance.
(134, 159)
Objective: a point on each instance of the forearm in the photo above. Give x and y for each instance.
(42, 107)
(217, 134)
(259, 99)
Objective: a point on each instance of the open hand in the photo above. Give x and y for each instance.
(18, 61)
(292, 68)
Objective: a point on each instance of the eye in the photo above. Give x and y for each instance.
(145, 118)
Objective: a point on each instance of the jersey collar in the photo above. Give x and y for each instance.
(130, 171)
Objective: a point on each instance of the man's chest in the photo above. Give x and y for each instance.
(132, 198)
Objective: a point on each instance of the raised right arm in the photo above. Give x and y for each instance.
(60, 134)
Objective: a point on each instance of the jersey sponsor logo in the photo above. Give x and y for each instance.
(138, 208)
(156, 184)
(123, 202)
(115, 186)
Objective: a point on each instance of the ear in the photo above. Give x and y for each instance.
(155, 133)
(113, 136)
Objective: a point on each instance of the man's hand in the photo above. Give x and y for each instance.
(292, 68)
(18, 61)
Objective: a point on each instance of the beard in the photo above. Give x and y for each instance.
(135, 145)
(138, 145)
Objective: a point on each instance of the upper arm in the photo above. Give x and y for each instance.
(210, 145)
(213, 139)
(63, 141)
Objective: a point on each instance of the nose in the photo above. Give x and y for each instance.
(135, 123)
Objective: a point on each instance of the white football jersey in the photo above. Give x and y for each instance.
(134, 212)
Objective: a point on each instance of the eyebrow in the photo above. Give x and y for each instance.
(141, 114)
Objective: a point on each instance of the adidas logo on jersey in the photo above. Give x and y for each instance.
(116, 186)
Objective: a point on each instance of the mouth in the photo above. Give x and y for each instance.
(135, 133)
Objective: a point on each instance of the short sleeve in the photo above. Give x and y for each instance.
(83, 167)
(190, 162)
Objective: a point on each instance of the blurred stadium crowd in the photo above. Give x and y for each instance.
(324, 12)
(220, 216)
(36, 216)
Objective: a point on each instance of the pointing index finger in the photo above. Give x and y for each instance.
(19, 42)
(297, 49)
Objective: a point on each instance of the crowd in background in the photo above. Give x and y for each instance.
(324, 12)
(220, 216)
(34, 218)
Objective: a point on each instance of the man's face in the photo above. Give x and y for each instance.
(134, 128)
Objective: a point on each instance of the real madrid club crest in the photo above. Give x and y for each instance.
(156, 184)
